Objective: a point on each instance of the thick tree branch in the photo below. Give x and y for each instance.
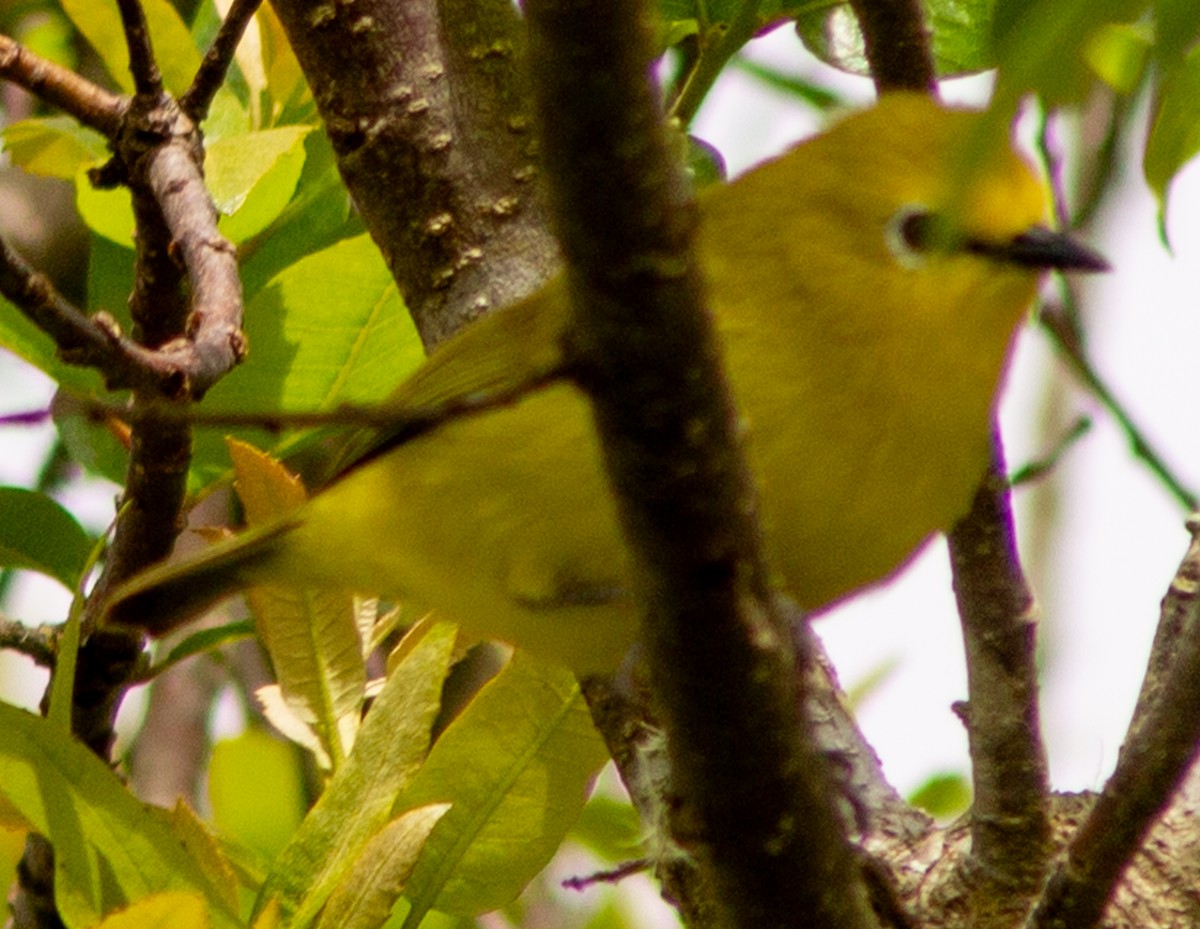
(755, 803)
(1154, 761)
(426, 107)
(1009, 826)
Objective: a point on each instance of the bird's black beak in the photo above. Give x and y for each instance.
(1043, 248)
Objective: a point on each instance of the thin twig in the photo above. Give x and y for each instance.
(1065, 337)
(1009, 825)
(897, 44)
(93, 341)
(39, 643)
(211, 74)
(147, 80)
(1154, 761)
(62, 88)
(401, 423)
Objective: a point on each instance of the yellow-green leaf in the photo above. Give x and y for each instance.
(516, 767)
(110, 849)
(368, 893)
(100, 23)
(53, 146)
(359, 799)
(311, 635)
(170, 910)
(256, 789)
(252, 177)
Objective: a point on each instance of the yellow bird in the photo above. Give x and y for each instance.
(866, 287)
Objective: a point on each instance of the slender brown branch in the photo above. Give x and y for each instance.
(897, 44)
(402, 423)
(648, 358)
(1154, 761)
(94, 341)
(62, 88)
(1009, 825)
(211, 75)
(147, 80)
(40, 644)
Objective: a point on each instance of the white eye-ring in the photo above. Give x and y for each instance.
(910, 234)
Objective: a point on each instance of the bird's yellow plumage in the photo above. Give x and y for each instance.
(866, 287)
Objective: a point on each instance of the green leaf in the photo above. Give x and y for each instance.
(1117, 53)
(25, 340)
(1174, 131)
(252, 177)
(108, 213)
(330, 329)
(709, 14)
(319, 215)
(169, 910)
(610, 828)
(359, 799)
(1041, 44)
(960, 30)
(705, 164)
(256, 789)
(48, 35)
(100, 23)
(37, 534)
(368, 893)
(110, 849)
(53, 146)
(943, 795)
(812, 93)
(1176, 29)
(516, 767)
(205, 640)
(311, 635)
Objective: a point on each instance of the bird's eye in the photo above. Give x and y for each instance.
(912, 233)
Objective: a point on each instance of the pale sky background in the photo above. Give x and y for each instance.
(1119, 543)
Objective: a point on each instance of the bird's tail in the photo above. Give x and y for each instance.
(165, 596)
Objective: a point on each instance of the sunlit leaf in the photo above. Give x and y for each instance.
(359, 799)
(169, 910)
(311, 635)
(100, 23)
(516, 766)
(368, 893)
(53, 146)
(110, 849)
(256, 789)
(252, 177)
(331, 328)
